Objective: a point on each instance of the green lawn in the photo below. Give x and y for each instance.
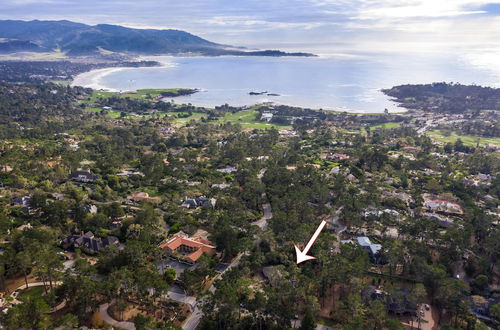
(183, 121)
(248, 119)
(93, 109)
(36, 291)
(98, 94)
(386, 125)
(468, 140)
(139, 94)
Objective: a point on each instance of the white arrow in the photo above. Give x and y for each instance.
(302, 255)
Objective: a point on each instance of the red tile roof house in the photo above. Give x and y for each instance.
(187, 249)
(434, 203)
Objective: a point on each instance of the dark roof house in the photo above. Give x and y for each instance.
(88, 242)
(23, 201)
(82, 176)
(199, 201)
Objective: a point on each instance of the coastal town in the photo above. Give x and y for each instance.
(129, 211)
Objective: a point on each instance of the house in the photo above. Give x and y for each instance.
(58, 196)
(267, 116)
(443, 221)
(23, 227)
(399, 302)
(221, 185)
(130, 172)
(437, 204)
(116, 223)
(373, 212)
(484, 177)
(335, 170)
(88, 242)
(143, 196)
(82, 176)
(199, 201)
(373, 249)
(23, 201)
(480, 305)
(226, 170)
(187, 249)
(92, 209)
(273, 275)
(337, 156)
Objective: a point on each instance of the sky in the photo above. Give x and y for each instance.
(323, 26)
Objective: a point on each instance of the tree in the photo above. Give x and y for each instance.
(452, 296)
(169, 276)
(142, 322)
(376, 315)
(68, 321)
(495, 311)
(308, 322)
(480, 283)
(24, 262)
(32, 314)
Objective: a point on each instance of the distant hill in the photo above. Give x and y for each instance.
(76, 39)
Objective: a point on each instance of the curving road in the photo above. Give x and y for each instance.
(194, 319)
(266, 207)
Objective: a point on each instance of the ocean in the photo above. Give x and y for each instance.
(342, 82)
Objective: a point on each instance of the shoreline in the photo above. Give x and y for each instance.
(93, 79)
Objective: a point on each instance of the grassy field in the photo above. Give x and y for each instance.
(246, 118)
(185, 120)
(139, 94)
(468, 140)
(386, 125)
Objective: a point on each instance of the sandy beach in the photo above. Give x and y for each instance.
(92, 79)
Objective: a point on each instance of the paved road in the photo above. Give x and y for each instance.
(262, 222)
(194, 319)
(103, 310)
(268, 214)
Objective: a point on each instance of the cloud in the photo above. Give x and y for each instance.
(358, 24)
(395, 9)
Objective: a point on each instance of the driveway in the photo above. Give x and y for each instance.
(266, 207)
(179, 267)
(262, 222)
(429, 318)
(194, 319)
(176, 293)
(103, 311)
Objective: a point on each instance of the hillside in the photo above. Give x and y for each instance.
(76, 39)
(11, 46)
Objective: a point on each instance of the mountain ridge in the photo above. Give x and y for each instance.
(78, 39)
